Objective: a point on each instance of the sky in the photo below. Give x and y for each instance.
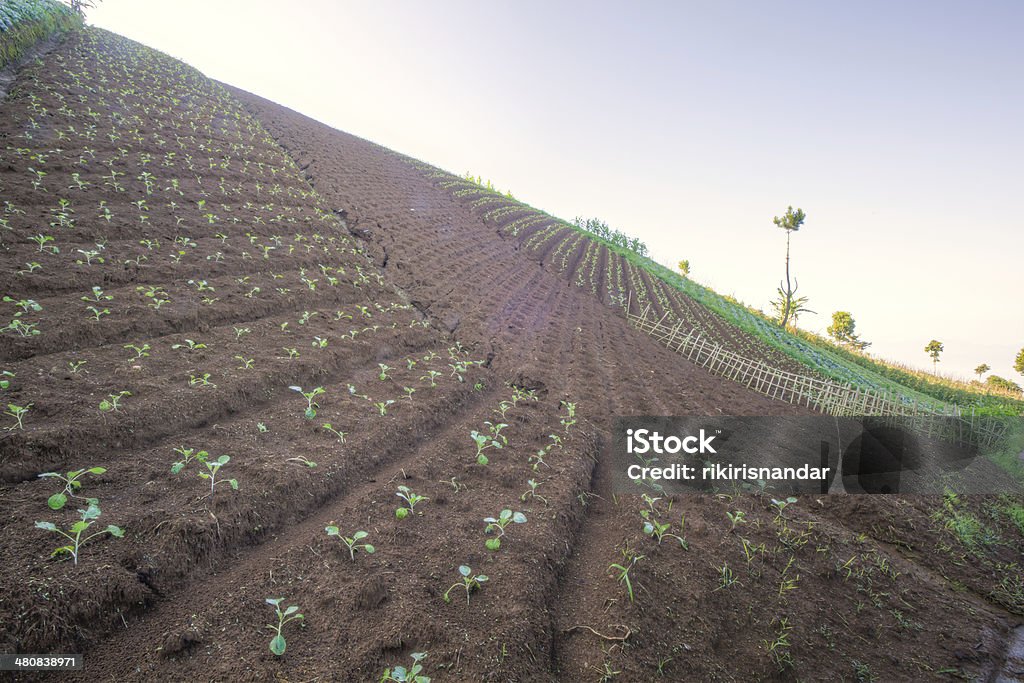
(896, 127)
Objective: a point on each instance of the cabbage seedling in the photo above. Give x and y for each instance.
(277, 643)
(484, 441)
(498, 526)
(382, 406)
(187, 456)
(71, 484)
(113, 402)
(212, 468)
(201, 380)
(311, 405)
(140, 351)
(532, 492)
(352, 543)
(468, 581)
(5, 379)
(570, 419)
(18, 413)
(75, 533)
(384, 370)
(781, 505)
(410, 498)
(189, 345)
(659, 531)
(400, 674)
(337, 433)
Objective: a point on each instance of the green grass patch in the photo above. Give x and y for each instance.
(23, 23)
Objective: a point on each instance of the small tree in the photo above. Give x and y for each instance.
(997, 382)
(934, 348)
(797, 306)
(1018, 363)
(790, 222)
(981, 370)
(80, 5)
(844, 330)
(684, 267)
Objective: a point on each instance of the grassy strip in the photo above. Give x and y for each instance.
(23, 23)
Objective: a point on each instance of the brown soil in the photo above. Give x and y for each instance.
(346, 241)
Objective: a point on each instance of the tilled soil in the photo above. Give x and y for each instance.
(300, 256)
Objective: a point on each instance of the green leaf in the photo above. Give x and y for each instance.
(481, 578)
(493, 543)
(519, 518)
(359, 535)
(49, 526)
(464, 570)
(369, 548)
(292, 609)
(115, 531)
(97, 470)
(482, 459)
(402, 513)
(274, 601)
(332, 531)
(79, 526)
(278, 645)
(57, 501)
(234, 483)
(224, 460)
(177, 467)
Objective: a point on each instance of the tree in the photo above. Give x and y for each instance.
(981, 370)
(934, 348)
(796, 305)
(684, 267)
(997, 382)
(844, 330)
(790, 222)
(1018, 363)
(80, 5)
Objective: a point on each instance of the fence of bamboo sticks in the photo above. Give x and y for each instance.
(944, 421)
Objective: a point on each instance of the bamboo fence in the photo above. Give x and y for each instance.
(944, 421)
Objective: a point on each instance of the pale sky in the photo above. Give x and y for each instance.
(895, 126)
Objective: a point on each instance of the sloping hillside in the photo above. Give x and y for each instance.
(193, 272)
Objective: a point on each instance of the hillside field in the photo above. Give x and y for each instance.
(193, 272)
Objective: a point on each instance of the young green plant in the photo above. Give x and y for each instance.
(400, 674)
(311, 405)
(467, 581)
(277, 643)
(71, 484)
(352, 543)
(213, 467)
(76, 535)
(498, 524)
(410, 498)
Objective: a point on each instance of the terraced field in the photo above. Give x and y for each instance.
(192, 269)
